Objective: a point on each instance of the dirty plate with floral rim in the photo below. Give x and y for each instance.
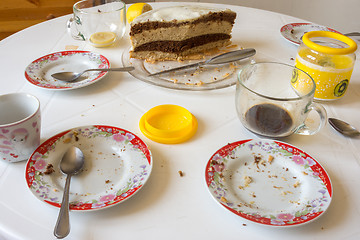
(39, 71)
(293, 32)
(117, 165)
(269, 182)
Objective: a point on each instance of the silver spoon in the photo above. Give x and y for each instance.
(71, 163)
(352, 34)
(72, 76)
(343, 127)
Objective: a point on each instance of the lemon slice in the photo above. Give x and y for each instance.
(136, 10)
(102, 39)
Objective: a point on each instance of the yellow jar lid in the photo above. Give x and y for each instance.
(168, 124)
(352, 46)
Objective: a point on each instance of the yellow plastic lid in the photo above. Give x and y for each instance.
(168, 124)
(352, 46)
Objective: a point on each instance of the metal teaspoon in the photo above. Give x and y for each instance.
(343, 127)
(71, 163)
(72, 76)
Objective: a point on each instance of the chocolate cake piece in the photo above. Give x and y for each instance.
(176, 33)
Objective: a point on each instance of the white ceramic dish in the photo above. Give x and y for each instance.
(289, 190)
(39, 71)
(204, 78)
(117, 165)
(293, 32)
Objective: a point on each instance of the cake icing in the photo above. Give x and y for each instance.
(178, 13)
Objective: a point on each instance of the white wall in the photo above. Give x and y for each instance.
(342, 15)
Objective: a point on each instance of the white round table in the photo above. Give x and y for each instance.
(171, 206)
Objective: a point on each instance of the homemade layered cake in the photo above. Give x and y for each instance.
(180, 32)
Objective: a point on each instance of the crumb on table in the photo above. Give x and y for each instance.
(71, 47)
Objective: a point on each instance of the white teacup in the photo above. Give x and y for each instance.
(99, 22)
(20, 124)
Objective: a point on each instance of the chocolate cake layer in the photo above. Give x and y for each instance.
(217, 16)
(180, 46)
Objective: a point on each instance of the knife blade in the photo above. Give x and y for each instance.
(219, 59)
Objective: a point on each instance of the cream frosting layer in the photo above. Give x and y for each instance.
(178, 13)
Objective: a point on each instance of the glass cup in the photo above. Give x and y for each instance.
(275, 99)
(20, 126)
(99, 22)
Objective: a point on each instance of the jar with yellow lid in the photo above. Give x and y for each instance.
(328, 58)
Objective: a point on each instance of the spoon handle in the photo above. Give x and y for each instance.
(352, 34)
(62, 227)
(121, 69)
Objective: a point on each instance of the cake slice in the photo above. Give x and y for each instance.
(176, 33)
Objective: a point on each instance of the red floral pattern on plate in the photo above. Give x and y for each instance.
(293, 32)
(38, 72)
(128, 147)
(291, 163)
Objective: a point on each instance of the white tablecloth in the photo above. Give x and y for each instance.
(170, 206)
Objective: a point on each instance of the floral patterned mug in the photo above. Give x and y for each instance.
(19, 126)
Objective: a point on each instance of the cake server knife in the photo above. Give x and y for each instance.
(219, 59)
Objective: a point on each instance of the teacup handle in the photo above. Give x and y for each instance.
(73, 31)
(307, 130)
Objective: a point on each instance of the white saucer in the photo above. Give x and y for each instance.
(117, 165)
(268, 182)
(39, 71)
(293, 32)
